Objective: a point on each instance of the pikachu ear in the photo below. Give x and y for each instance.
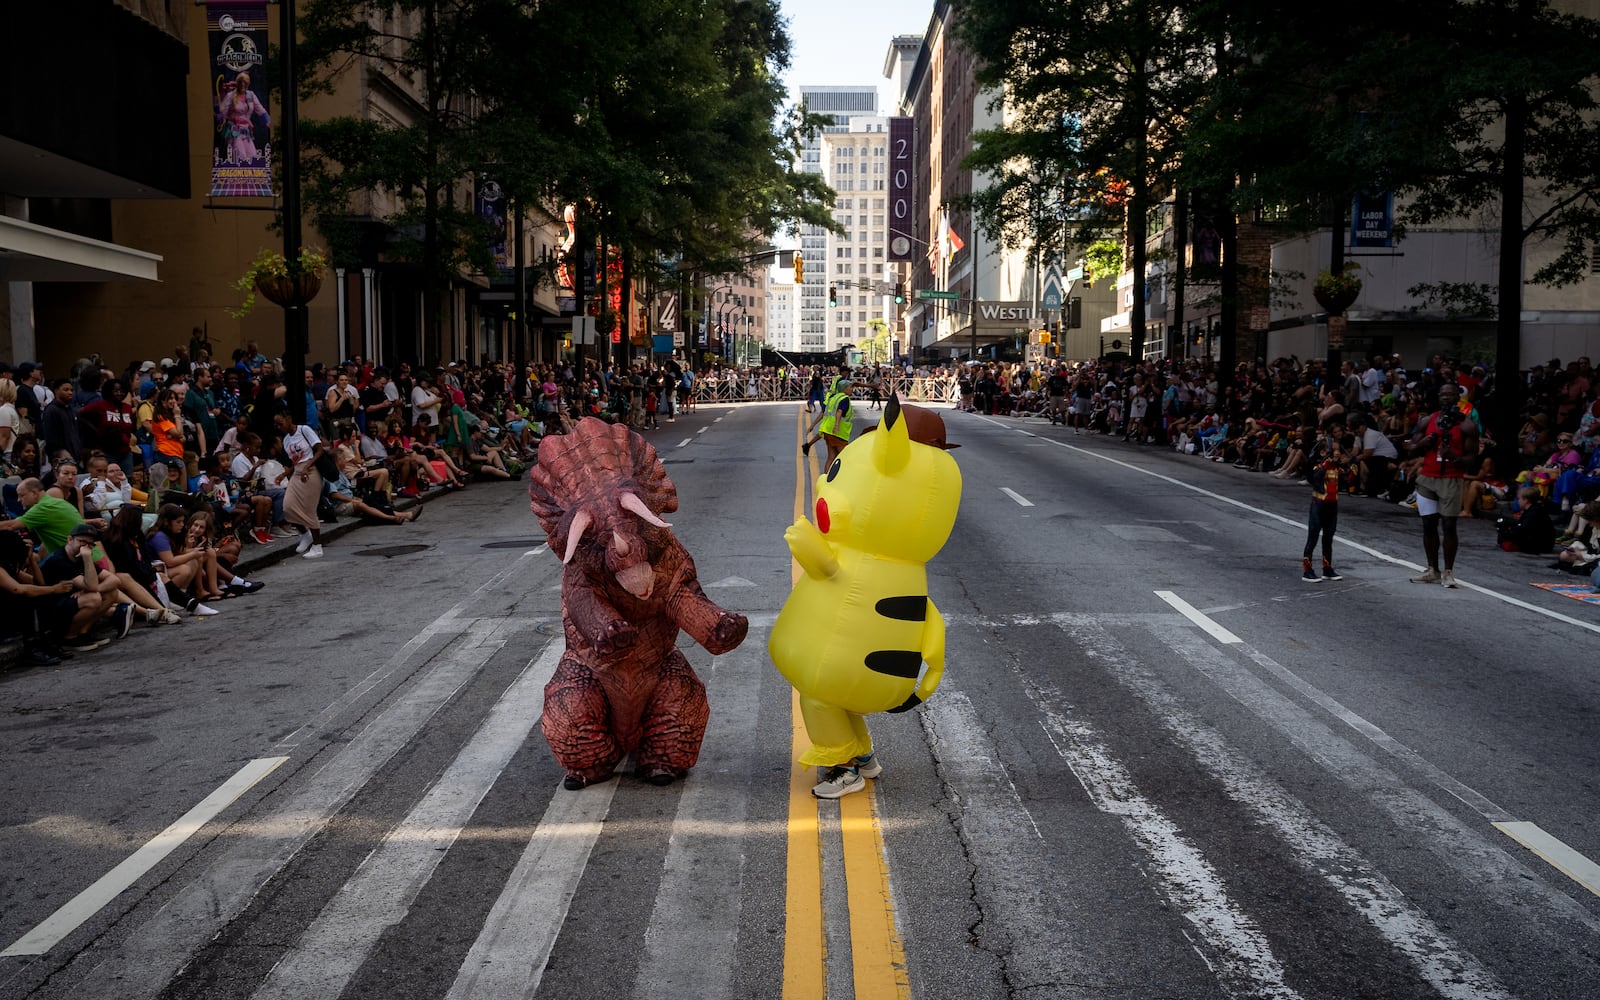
(891, 445)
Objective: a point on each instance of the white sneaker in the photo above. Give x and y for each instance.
(868, 766)
(304, 543)
(170, 617)
(839, 781)
(205, 611)
(1448, 579)
(314, 552)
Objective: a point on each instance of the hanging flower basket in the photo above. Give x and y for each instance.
(1337, 292)
(271, 275)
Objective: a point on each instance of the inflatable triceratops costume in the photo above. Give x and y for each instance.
(858, 625)
(629, 587)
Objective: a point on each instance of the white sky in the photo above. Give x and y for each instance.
(844, 42)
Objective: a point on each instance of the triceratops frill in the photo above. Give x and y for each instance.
(629, 586)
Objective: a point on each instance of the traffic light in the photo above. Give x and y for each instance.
(1044, 336)
(1075, 313)
(799, 269)
(833, 297)
(899, 294)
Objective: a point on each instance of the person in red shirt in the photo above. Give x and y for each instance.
(1448, 442)
(107, 424)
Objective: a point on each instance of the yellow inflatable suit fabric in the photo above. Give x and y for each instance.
(858, 626)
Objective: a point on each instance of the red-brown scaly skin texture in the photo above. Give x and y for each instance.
(622, 686)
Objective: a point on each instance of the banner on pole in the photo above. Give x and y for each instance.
(902, 163)
(491, 206)
(241, 151)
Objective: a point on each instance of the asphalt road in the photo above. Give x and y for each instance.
(1160, 765)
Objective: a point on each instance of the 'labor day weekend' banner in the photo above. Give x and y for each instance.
(241, 150)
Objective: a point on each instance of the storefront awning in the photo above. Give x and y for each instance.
(34, 253)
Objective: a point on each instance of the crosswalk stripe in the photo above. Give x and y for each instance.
(143, 964)
(1478, 859)
(691, 941)
(1451, 970)
(508, 958)
(333, 947)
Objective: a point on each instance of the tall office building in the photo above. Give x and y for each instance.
(856, 165)
(843, 105)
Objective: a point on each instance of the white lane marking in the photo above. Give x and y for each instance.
(142, 964)
(509, 957)
(1194, 614)
(1568, 861)
(1453, 971)
(1238, 951)
(692, 939)
(717, 421)
(685, 442)
(441, 624)
(1467, 796)
(332, 949)
(1465, 849)
(702, 430)
(1021, 500)
(114, 882)
(1300, 526)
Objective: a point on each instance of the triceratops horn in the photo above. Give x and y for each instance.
(631, 501)
(580, 524)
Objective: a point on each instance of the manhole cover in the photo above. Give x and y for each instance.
(515, 543)
(390, 551)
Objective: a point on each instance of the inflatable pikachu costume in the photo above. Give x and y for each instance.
(858, 625)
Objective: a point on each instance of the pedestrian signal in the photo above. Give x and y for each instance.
(799, 269)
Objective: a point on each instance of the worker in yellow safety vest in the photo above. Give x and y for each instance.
(833, 423)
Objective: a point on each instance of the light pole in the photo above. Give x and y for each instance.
(295, 325)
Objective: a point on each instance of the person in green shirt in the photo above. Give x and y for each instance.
(47, 518)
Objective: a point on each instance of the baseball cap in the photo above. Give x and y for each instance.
(83, 530)
(147, 366)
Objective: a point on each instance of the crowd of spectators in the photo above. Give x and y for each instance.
(1285, 419)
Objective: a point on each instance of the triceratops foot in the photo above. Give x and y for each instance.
(583, 779)
(661, 775)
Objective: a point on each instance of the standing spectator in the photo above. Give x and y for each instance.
(29, 376)
(10, 419)
(303, 448)
(341, 402)
(379, 401)
(200, 406)
(107, 424)
(1448, 441)
(1324, 516)
(60, 428)
(425, 401)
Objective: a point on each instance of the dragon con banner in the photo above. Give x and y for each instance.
(241, 151)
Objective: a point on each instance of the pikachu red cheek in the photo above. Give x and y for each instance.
(822, 515)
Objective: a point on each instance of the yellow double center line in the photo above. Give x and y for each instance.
(878, 954)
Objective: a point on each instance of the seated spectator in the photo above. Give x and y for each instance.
(1528, 528)
(43, 614)
(187, 561)
(363, 474)
(1374, 455)
(125, 546)
(250, 470)
(374, 508)
(64, 484)
(412, 470)
(1483, 487)
(485, 459)
(74, 563)
(443, 465)
(204, 529)
(1580, 556)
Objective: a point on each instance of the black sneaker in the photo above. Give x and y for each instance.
(83, 643)
(122, 620)
(41, 657)
(247, 587)
(1329, 573)
(1309, 575)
